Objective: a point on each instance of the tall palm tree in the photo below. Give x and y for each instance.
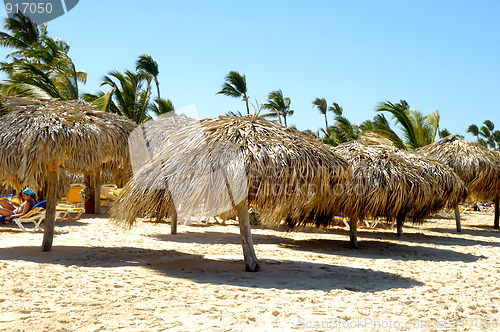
(322, 106)
(235, 86)
(278, 105)
(148, 65)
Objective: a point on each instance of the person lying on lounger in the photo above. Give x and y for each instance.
(9, 211)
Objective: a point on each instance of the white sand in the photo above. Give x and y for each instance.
(102, 278)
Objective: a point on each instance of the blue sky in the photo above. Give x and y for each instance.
(434, 54)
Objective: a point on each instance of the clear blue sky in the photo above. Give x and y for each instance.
(441, 55)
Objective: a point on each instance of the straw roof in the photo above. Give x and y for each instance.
(390, 184)
(286, 173)
(477, 166)
(453, 188)
(75, 136)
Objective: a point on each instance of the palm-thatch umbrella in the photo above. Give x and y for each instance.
(477, 166)
(395, 185)
(220, 163)
(38, 137)
(453, 188)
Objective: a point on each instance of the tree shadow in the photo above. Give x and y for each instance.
(13, 228)
(219, 270)
(373, 249)
(219, 238)
(453, 239)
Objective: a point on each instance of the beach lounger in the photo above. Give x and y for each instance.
(36, 215)
(64, 213)
(109, 192)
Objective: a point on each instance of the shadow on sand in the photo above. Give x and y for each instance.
(222, 270)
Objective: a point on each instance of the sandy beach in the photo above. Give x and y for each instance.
(99, 277)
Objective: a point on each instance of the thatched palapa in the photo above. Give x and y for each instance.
(40, 136)
(395, 185)
(477, 166)
(285, 172)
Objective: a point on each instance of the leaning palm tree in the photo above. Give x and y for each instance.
(146, 63)
(322, 106)
(236, 87)
(279, 106)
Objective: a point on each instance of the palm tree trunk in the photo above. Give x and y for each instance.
(157, 87)
(353, 232)
(246, 101)
(284, 118)
(326, 123)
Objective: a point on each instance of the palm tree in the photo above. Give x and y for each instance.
(380, 126)
(162, 106)
(322, 106)
(146, 64)
(40, 66)
(487, 131)
(418, 130)
(486, 135)
(474, 130)
(25, 35)
(443, 133)
(235, 86)
(279, 106)
(127, 96)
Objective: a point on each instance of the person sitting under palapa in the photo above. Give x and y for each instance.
(9, 211)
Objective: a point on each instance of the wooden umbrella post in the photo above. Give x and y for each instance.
(353, 232)
(457, 218)
(97, 192)
(251, 262)
(173, 222)
(50, 211)
(497, 214)
(399, 222)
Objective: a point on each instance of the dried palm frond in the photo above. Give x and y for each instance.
(77, 137)
(478, 167)
(390, 184)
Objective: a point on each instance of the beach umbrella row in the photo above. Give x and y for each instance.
(282, 171)
(396, 185)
